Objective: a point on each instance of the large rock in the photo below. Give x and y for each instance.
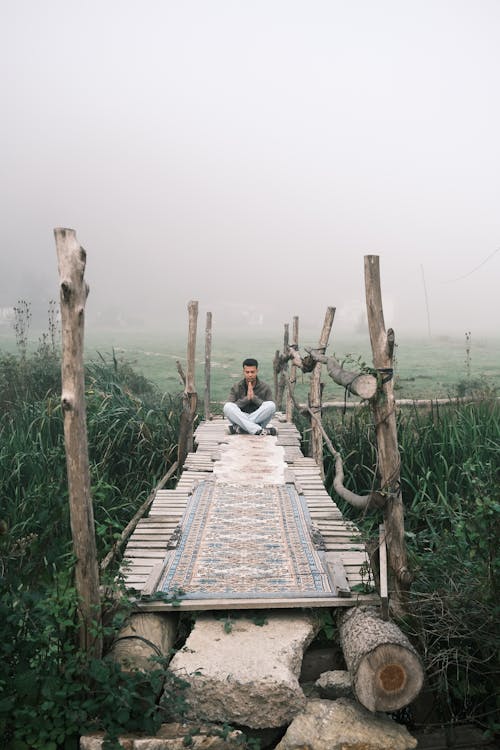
(335, 684)
(145, 635)
(344, 725)
(173, 737)
(248, 676)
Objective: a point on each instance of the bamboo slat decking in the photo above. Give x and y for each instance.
(340, 541)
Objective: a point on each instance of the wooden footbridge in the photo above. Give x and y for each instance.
(250, 523)
(274, 538)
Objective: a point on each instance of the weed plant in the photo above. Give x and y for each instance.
(451, 490)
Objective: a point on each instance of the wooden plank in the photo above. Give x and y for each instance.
(338, 574)
(152, 580)
(142, 553)
(146, 553)
(239, 604)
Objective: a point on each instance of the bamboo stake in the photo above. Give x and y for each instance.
(208, 355)
(384, 412)
(73, 294)
(315, 392)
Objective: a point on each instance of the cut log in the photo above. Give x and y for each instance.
(385, 669)
(361, 384)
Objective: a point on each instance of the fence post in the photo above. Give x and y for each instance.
(384, 411)
(293, 370)
(283, 368)
(73, 295)
(315, 392)
(190, 397)
(208, 356)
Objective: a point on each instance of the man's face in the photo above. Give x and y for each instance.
(250, 374)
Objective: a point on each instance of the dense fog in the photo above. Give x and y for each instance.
(249, 155)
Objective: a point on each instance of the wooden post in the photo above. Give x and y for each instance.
(293, 370)
(73, 295)
(315, 392)
(384, 411)
(276, 369)
(208, 355)
(283, 369)
(190, 397)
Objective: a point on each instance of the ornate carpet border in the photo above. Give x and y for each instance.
(243, 543)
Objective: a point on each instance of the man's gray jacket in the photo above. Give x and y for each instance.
(261, 392)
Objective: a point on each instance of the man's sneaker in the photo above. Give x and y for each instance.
(267, 431)
(233, 429)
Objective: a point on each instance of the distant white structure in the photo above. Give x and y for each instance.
(6, 315)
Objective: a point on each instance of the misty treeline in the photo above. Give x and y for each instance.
(50, 692)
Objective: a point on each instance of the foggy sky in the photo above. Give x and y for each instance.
(249, 154)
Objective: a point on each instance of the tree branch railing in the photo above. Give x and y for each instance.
(360, 384)
(374, 499)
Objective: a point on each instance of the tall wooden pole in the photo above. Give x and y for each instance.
(293, 370)
(73, 294)
(283, 377)
(384, 411)
(208, 357)
(315, 392)
(190, 397)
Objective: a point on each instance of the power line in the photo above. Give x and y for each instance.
(476, 268)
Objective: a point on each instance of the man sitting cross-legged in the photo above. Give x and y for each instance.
(250, 406)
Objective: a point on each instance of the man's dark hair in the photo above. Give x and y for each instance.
(250, 362)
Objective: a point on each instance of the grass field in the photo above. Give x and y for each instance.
(424, 368)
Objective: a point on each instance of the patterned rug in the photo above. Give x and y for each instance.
(239, 541)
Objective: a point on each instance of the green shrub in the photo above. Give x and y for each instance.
(51, 692)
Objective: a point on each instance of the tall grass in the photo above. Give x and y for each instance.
(450, 474)
(49, 691)
(132, 435)
(451, 491)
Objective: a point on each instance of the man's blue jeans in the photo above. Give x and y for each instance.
(252, 422)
